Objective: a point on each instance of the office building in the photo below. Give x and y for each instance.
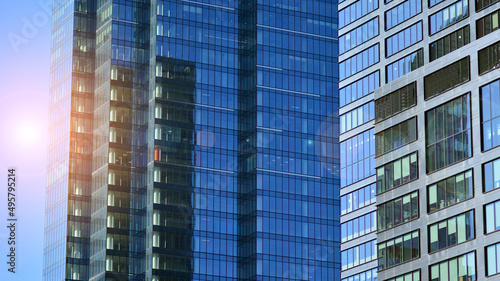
(193, 140)
(435, 134)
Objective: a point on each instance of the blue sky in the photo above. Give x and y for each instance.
(24, 88)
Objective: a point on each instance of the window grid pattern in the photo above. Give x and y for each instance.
(369, 275)
(489, 58)
(490, 114)
(491, 175)
(411, 276)
(450, 191)
(357, 199)
(487, 24)
(359, 62)
(397, 173)
(451, 231)
(492, 217)
(359, 35)
(357, 158)
(398, 250)
(447, 78)
(403, 39)
(493, 259)
(402, 12)
(449, 43)
(448, 133)
(355, 11)
(398, 211)
(404, 65)
(459, 268)
(482, 4)
(448, 16)
(396, 102)
(358, 227)
(358, 255)
(357, 117)
(359, 88)
(396, 136)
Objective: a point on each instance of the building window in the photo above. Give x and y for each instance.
(492, 217)
(448, 133)
(487, 24)
(359, 62)
(358, 255)
(358, 227)
(450, 191)
(369, 275)
(396, 136)
(402, 12)
(449, 43)
(493, 259)
(357, 159)
(489, 58)
(397, 173)
(398, 250)
(396, 102)
(358, 36)
(490, 114)
(355, 11)
(398, 211)
(357, 199)
(446, 78)
(481, 4)
(448, 16)
(491, 175)
(411, 276)
(452, 231)
(434, 2)
(403, 39)
(404, 65)
(458, 268)
(357, 117)
(359, 88)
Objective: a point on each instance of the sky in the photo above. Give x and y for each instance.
(24, 94)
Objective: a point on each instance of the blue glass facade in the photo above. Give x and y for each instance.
(215, 149)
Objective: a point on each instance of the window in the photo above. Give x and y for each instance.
(448, 16)
(398, 211)
(355, 11)
(450, 191)
(481, 4)
(458, 268)
(359, 88)
(397, 173)
(396, 136)
(402, 12)
(446, 78)
(404, 65)
(358, 227)
(357, 199)
(359, 62)
(449, 43)
(448, 133)
(493, 259)
(357, 117)
(434, 2)
(490, 114)
(451, 231)
(412, 276)
(489, 58)
(369, 275)
(403, 39)
(491, 175)
(398, 250)
(396, 102)
(357, 159)
(358, 36)
(492, 217)
(487, 24)
(358, 255)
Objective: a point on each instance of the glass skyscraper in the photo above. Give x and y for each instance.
(194, 140)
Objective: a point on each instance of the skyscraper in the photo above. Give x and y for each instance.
(435, 135)
(193, 140)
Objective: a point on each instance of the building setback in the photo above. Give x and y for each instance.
(193, 140)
